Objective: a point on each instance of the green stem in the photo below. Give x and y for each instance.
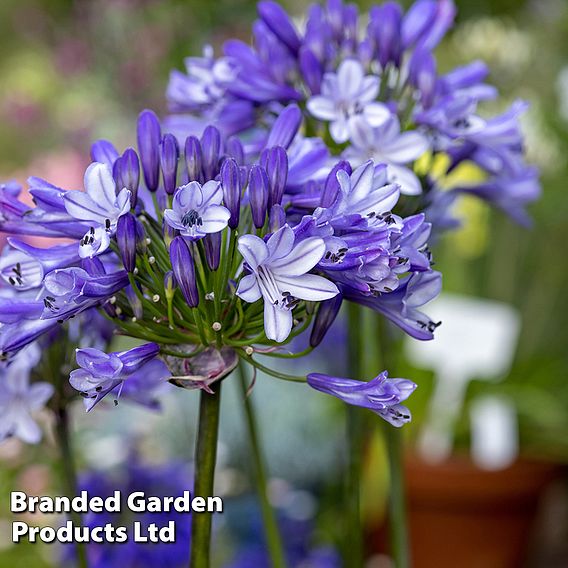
(273, 540)
(397, 507)
(205, 458)
(69, 472)
(355, 438)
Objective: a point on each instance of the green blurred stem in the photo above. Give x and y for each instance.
(63, 434)
(397, 506)
(205, 458)
(353, 545)
(273, 540)
(398, 532)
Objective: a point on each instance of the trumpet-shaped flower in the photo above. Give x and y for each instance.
(278, 273)
(197, 210)
(381, 395)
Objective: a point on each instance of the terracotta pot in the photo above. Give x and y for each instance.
(461, 516)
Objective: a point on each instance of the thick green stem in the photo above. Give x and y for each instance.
(69, 473)
(353, 546)
(397, 507)
(273, 540)
(205, 458)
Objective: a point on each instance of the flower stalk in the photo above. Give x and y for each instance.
(272, 533)
(205, 459)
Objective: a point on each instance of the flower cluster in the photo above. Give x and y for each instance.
(297, 173)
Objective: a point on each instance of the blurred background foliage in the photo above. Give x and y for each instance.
(75, 70)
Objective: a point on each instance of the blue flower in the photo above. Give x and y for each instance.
(381, 395)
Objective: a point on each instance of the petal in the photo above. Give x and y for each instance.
(376, 114)
(307, 287)
(100, 186)
(38, 395)
(253, 249)
(322, 107)
(277, 322)
(212, 193)
(302, 259)
(173, 219)
(339, 130)
(280, 243)
(362, 182)
(369, 90)
(362, 134)
(27, 429)
(249, 289)
(187, 197)
(406, 178)
(215, 219)
(405, 148)
(349, 79)
(82, 206)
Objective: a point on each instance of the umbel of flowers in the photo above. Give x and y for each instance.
(294, 174)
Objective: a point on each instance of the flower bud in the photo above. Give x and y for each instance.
(126, 173)
(278, 22)
(104, 152)
(169, 284)
(231, 183)
(275, 161)
(311, 70)
(212, 244)
(258, 195)
(184, 271)
(134, 302)
(126, 239)
(422, 75)
(277, 218)
(211, 148)
(193, 159)
(285, 127)
(234, 149)
(327, 312)
(149, 136)
(331, 187)
(169, 156)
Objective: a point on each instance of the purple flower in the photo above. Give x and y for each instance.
(279, 275)
(99, 205)
(19, 400)
(184, 271)
(135, 374)
(197, 210)
(381, 395)
(388, 145)
(149, 135)
(345, 95)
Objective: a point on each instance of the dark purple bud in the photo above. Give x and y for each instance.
(275, 161)
(211, 149)
(231, 183)
(385, 27)
(277, 218)
(127, 173)
(285, 127)
(234, 149)
(184, 271)
(331, 187)
(327, 312)
(104, 152)
(311, 70)
(193, 159)
(212, 244)
(422, 75)
(169, 156)
(126, 239)
(258, 190)
(149, 136)
(278, 21)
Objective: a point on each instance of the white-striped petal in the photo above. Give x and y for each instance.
(308, 287)
(253, 249)
(277, 322)
(302, 259)
(249, 289)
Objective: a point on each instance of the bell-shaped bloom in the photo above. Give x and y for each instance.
(184, 271)
(386, 144)
(197, 210)
(68, 292)
(135, 374)
(345, 95)
(149, 134)
(100, 205)
(19, 399)
(381, 395)
(278, 273)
